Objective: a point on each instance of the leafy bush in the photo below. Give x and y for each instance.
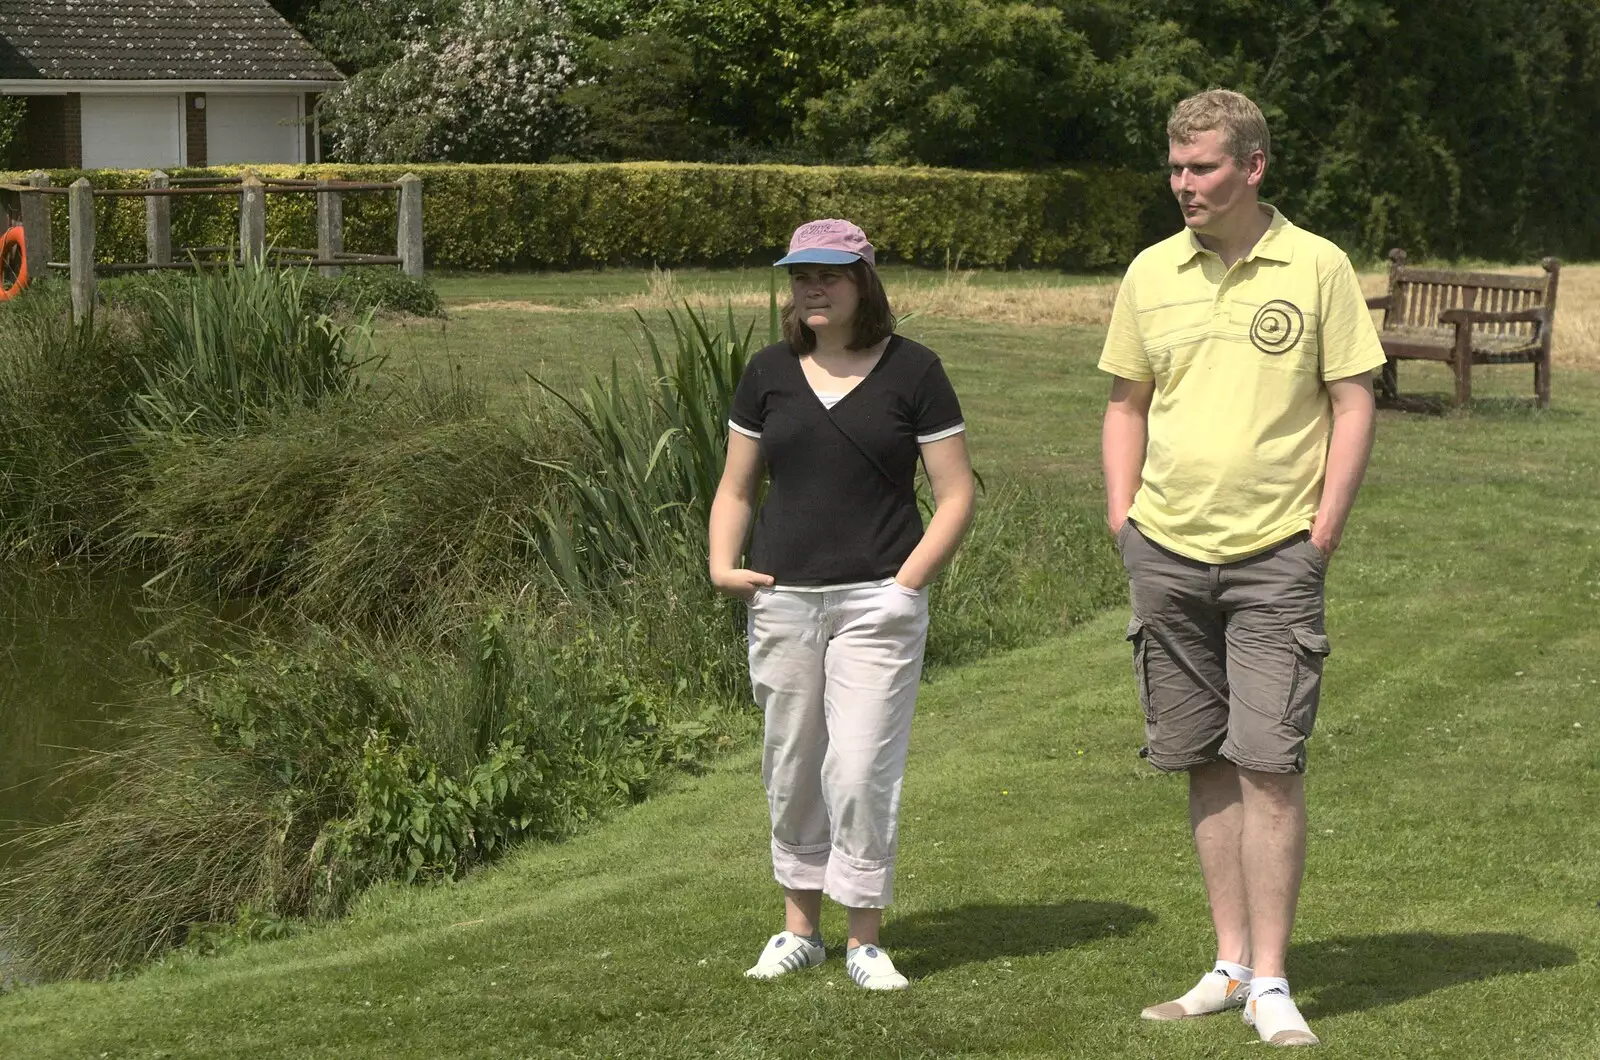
(484, 86)
(351, 293)
(13, 112)
(563, 216)
(1010, 82)
(752, 63)
(284, 777)
(373, 287)
(637, 102)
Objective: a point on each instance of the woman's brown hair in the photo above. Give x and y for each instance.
(874, 320)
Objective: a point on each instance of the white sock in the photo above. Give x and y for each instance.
(1237, 972)
(1261, 984)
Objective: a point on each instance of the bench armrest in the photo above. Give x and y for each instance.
(1536, 315)
(1380, 302)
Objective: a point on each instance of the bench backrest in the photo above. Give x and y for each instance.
(1418, 296)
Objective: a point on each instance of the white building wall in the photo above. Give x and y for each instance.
(252, 128)
(132, 132)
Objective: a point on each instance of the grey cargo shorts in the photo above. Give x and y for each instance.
(1227, 656)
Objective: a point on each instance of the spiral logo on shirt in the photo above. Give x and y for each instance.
(1278, 326)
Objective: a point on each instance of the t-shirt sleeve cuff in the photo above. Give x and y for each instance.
(1334, 372)
(1125, 371)
(941, 433)
(746, 431)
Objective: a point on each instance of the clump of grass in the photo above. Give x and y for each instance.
(180, 835)
(234, 346)
(63, 389)
(357, 511)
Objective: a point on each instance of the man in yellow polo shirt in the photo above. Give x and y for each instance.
(1237, 434)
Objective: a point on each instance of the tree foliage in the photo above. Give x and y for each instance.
(485, 86)
(1449, 126)
(13, 112)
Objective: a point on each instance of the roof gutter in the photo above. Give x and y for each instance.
(46, 86)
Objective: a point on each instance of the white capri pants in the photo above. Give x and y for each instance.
(836, 675)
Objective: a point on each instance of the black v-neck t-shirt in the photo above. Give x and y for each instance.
(842, 504)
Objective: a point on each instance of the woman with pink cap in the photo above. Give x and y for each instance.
(836, 417)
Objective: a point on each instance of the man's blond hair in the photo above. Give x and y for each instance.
(1243, 128)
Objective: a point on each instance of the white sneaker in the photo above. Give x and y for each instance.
(786, 952)
(872, 969)
(1276, 1018)
(1215, 992)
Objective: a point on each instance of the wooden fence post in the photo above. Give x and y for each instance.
(409, 238)
(252, 218)
(80, 207)
(158, 223)
(330, 226)
(36, 224)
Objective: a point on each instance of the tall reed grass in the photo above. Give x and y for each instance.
(652, 447)
(231, 347)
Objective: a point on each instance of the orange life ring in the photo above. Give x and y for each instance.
(7, 238)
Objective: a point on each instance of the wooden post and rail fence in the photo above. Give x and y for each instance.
(329, 256)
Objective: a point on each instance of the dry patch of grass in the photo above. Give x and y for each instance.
(953, 296)
(518, 306)
(1577, 340)
(1028, 302)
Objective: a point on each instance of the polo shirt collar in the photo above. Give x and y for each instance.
(1275, 243)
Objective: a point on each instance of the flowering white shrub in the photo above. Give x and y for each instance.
(484, 87)
(13, 110)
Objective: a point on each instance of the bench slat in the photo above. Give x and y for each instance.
(1497, 281)
(1438, 344)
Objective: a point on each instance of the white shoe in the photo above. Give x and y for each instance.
(1215, 992)
(1276, 1018)
(786, 952)
(872, 969)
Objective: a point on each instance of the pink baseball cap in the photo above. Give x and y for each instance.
(830, 241)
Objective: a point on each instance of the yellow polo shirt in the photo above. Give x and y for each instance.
(1240, 420)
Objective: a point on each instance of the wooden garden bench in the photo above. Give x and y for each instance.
(1467, 318)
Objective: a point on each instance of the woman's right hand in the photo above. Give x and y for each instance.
(741, 584)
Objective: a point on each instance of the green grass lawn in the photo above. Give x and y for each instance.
(1047, 886)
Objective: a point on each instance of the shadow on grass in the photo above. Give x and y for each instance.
(945, 938)
(1353, 973)
(1496, 407)
(1419, 404)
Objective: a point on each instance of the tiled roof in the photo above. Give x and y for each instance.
(179, 40)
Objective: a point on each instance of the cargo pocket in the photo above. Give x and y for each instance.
(1305, 688)
(1141, 676)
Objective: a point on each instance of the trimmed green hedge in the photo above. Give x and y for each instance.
(673, 214)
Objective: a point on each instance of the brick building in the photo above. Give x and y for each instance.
(161, 83)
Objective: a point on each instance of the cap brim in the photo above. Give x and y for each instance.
(817, 257)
